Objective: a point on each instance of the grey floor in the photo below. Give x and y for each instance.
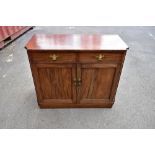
(135, 100)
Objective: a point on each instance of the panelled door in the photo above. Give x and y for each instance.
(70, 84)
(55, 83)
(97, 82)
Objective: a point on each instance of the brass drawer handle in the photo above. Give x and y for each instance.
(53, 57)
(100, 57)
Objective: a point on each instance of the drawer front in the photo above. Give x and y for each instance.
(52, 57)
(99, 57)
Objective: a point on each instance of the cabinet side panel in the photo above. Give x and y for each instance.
(117, 78)
(35, 78)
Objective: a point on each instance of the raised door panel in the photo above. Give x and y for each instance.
(54, 84)
(97, 82)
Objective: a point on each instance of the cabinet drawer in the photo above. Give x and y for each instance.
(52, 57)
(99, 57)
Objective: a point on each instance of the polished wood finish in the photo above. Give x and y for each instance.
(76, 71)
(54, 83)
(76, 42)
(95, 87)
(93, 57)
(42, 57)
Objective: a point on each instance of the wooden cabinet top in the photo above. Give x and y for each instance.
(77, 42)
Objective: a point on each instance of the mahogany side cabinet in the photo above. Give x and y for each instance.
(76, 71)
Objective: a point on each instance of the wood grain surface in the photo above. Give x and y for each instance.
(76, 42)
(81, 77)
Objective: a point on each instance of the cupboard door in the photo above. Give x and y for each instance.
(54, 84)
(98, 83)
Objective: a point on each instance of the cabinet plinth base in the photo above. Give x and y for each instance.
(47, 106)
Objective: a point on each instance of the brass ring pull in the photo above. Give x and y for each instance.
(100, 57)
(77, 82)
(53, 57)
